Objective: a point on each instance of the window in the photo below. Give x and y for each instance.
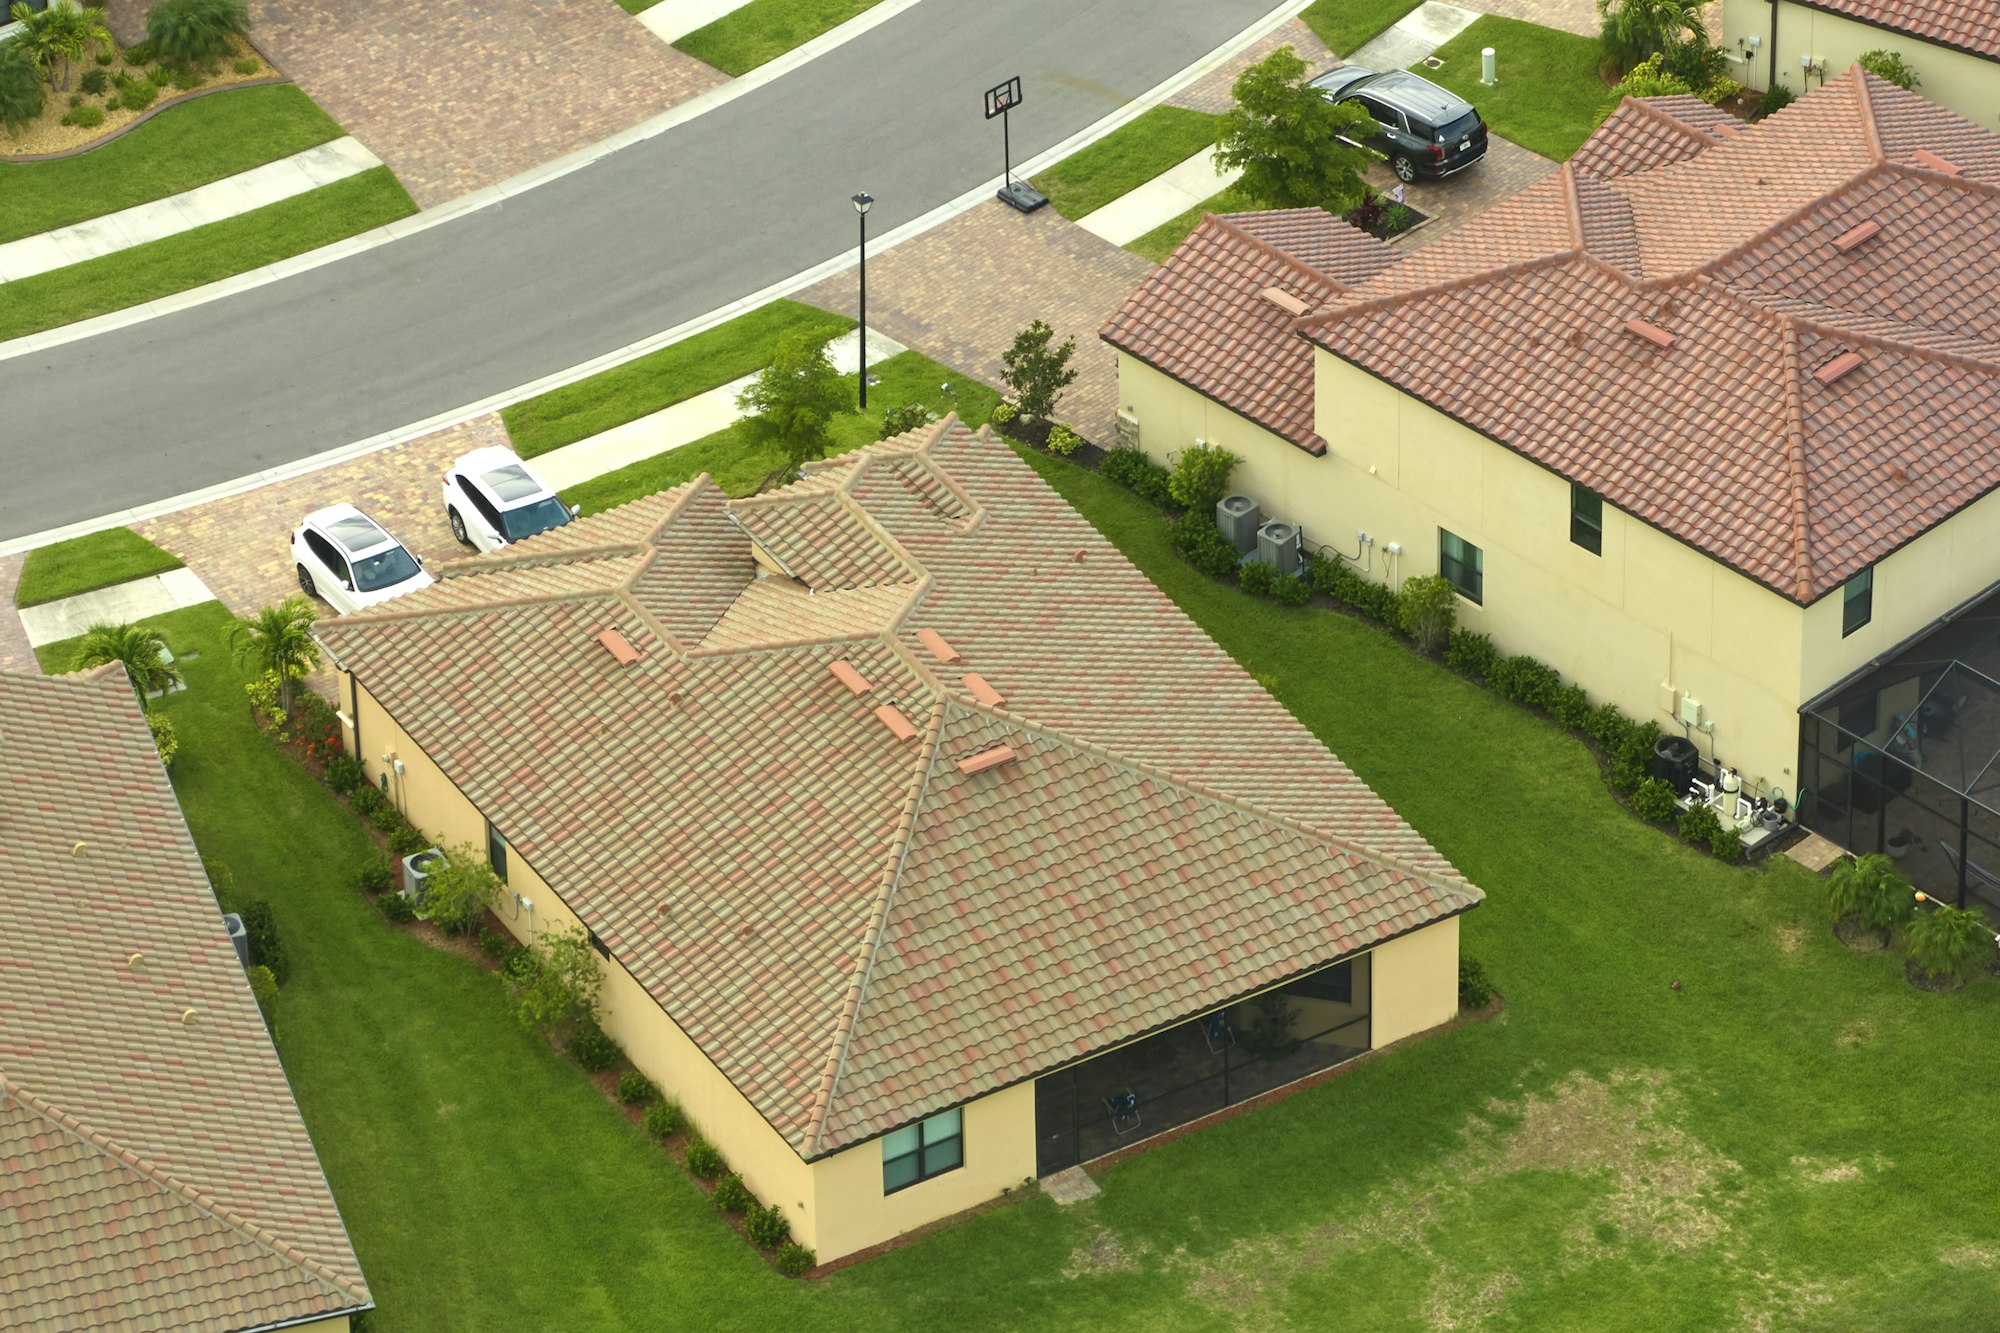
(323, 550)
(1586, 520)
(1462, 564)
(1857, 602)
(918, 1152)
(496, 851)
(1335, 983)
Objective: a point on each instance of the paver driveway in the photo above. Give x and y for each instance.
(461, 95)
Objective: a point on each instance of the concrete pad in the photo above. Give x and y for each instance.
(671, 20)
(1070, 1186)
(1417, 34)
(150, 596)
(1166, 196)
(30, 255)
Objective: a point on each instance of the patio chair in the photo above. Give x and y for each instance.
(1220, 1035)
(1123, 1108)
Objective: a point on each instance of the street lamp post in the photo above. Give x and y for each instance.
(862, 203)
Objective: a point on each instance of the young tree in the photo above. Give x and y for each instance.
(58, 36)
(1295, 148)
(1632, 30)
(556, 980)
(280, 642)
(1036, 372)
(139, 648)
(1890, 65)
(20, 86)
(190, 32)
(459, 889)
(794, 399)
(1427, 608)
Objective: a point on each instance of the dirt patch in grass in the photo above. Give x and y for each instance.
(1791, 939)
(1819, 1171)
(1858, 1032)
(1465, 1304)
(1970, 1256)
(1103, 1252)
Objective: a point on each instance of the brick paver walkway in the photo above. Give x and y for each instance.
(1211, 91)
(459, 96)
(1508, 169)
(15, 654)
(961, 291)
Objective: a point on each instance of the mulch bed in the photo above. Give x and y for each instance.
(1930, 981)
(1858, 937)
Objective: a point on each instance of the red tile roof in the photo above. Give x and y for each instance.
(1968, 25)
(1164, 837)
(154, 1173)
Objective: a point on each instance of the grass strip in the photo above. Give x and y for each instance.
(1125, 159)
(1348, 25)
(87, 563)
(763, 30)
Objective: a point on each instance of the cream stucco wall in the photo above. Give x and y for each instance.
(1964, 83)
(1414, 983)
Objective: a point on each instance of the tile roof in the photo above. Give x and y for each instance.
(856, 931)
(154, 1172)
(1969, 25)
(1727, 439)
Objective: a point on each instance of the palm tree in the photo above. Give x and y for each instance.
(142, 650)
(280, 641)
(60, 33)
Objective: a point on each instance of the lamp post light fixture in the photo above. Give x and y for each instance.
(862, 203)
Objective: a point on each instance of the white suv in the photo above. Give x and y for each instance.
(492, 499)
(347, 560)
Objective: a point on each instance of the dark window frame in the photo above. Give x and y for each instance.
(1455, 571)
(925, 1149)
(1334, 984)
(496, 839)
(1865, 599)
(329, 555)
(1586, 519)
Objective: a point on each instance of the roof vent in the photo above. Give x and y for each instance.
(1837, 367)
(1854, 236)
(615, 644)
(986, 759)
(899, 726)
(1652, 333)
(1924, 157)
(845, 673)
(935, 645)
(1285, 301)
(981, 691)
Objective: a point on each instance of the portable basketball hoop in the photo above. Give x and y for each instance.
(1001, 99)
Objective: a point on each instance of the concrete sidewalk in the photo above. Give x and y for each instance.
(1161, 199)
(1414, 36)
(671, 20)
(154, 595)
(232, 195)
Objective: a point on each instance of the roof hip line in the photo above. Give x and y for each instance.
(1795, 461)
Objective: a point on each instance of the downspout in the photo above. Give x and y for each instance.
(1774, 44)
(354, 712)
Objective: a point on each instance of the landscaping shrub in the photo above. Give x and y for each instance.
(367, 799)
(1002, 413)
(1475, 990)
(1699, 825)
(767, 1227)
(704, 1159)
(264, 987)
(105, 57)
(1062, 440)
(247, 65)
(1256, 577)
(387, 818)
(1200, 478)
(141, 54)
(1332, 576)
(1038, 372)
(1889, 65)
(1290, 590)
(634, 1086)
(265, 947)
(1473, 654)
(378, 876)
(1609, 727)
(165, 739)
(1137, 473)
(1632, 764)
(1570, 706)
(138, 94)
(660, 1119)
(903, 419)
(592, 1049)
(495, 944)
(795, 1260)
(1727, 844)
(20, 87)
(732, 1195)
(1427, 608)
(397, 908)
(159, 76)
(1524, 680)
(460, 889)
(407, 841)
(1654, 801)
(94, 82)
(1946, 942)
(556, 979)
(1776, 98)
(189, 32)
(344, 774)
(1197, 540)
(1872, 891)
(188, 80)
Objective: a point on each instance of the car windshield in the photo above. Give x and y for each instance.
(1459, 128)
(545, 513)
(384, 569)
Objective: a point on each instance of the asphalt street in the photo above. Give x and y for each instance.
(651, 236)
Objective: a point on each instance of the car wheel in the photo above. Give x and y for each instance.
(306, 584)
(458, 528)
(1405, 169)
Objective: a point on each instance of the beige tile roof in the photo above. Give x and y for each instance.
(1728, 439)
(154, 1174)
(1969, 25)
(853, 929)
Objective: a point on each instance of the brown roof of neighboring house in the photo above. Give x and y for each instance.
(1969, 25)
(791, 819)
(154, 1172)
(1732, 436)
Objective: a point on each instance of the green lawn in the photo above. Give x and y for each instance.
(1125, 159)
(84, 564)
(661, 379)
(1794, 1138)
(738, 466)
(182, 147)
(763, 30)
(1548, 98)
(203, 255)
(1347, 25)
(637, 6)
(1158, 243)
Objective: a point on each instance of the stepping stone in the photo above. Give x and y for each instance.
(1814, 852)
(1071, 1186)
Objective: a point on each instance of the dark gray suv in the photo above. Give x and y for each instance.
(1424, 130)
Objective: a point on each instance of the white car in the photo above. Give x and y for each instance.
(492, 499)
(345, 559)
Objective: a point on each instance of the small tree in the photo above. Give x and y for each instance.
(1871, 891)
(1427, 608)
(280, 642)
(57, 37)
(1201, 478)
(1295, 148)
(557, 980)
(142, 651)
(1037, 372)
(1890, 65)
(20, 86)
(191, 32)
(1632, 30)
(1948, 942)
(793, 400)
(459, 889)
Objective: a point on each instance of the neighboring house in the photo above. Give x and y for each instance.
(1708, 420)
(928, 846)
(154, 1173)
(1953, 45)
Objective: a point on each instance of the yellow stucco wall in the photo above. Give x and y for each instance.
(1964, 83)
(1415, 983)
(338, 1324)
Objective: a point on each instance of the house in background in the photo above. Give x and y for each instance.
(154, 1173)
(1708, 420)
(929, 848)
(1953, 45)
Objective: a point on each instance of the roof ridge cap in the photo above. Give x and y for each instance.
(1795, 458)
(1871, 132)
(496, 561)
(1463, 281)
(1709, 267)
(370, 618)
(1855, 337)
(918, 587)
(871, 942)
(1284, 257)
(214, 1207)
(1687, 129)
(976, 509)
(1572, 208)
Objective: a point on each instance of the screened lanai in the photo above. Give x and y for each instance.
(1904, 757)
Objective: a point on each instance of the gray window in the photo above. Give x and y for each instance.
(918, 1152)
(1857, 602)
(1586, 520)
(1463, 565)
(496, 851)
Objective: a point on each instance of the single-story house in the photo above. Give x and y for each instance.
(1953, 45)
(1706, 420)
(928, 847)
(154, 1172)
